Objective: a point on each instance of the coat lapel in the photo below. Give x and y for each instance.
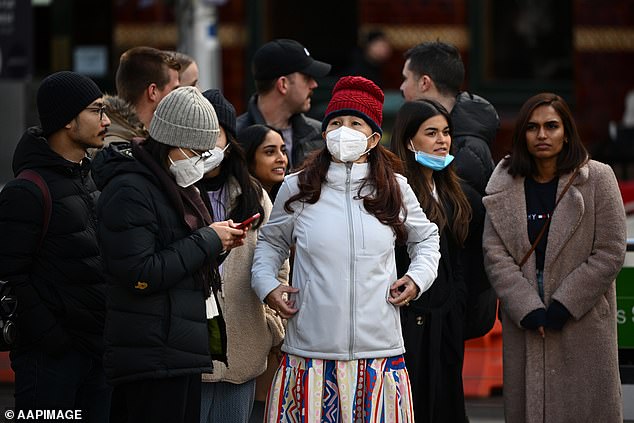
(507, 209)
(567, 215)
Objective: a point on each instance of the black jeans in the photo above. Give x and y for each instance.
(70, 381)
(169, 400)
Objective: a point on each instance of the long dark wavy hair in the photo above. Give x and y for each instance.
(384, 201)
(249, 201)
(573, 153)
(408, 120)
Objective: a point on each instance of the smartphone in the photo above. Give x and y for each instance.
(246, 223)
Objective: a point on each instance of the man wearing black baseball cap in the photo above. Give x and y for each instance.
(284, 74)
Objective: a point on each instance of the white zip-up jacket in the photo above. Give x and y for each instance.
(344, 266)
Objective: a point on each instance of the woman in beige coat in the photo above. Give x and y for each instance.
(558, 309)
(252, 328)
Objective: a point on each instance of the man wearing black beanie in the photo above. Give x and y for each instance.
(49, 253)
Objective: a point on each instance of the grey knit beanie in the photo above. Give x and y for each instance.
(184, 118)
(62, 96)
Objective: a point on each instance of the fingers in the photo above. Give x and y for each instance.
(279, 301)
(402, 291)
(230, 237)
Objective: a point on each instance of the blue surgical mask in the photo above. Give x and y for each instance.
(433, 161)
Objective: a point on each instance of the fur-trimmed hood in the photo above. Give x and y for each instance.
(125, 124)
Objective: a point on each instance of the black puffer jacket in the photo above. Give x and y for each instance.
(61, 290)
(475, 124)
(156, 326)
(306, 132)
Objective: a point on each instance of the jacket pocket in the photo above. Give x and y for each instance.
(304, 296)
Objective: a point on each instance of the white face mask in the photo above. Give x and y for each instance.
(347, 144)
(187, 171)
(216, 156)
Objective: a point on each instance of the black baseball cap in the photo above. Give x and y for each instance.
(282, 57)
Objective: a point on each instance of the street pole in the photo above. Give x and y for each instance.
(198, 37)
(205, 46)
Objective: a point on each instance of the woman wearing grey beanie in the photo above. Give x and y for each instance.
(161, 253)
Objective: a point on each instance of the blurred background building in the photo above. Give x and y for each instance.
(580, 49)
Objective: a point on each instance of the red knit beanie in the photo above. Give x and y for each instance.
(358, 96)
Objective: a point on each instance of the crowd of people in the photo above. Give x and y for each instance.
(362, 266)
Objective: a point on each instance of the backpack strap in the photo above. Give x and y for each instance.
(36, 178)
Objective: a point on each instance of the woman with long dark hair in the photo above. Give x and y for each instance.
(554, 241)
(266, 157)
(230, 192)
(344, 212)
(433, 324)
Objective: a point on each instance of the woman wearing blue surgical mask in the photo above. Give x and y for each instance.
(253, 330)
(344, 212)
(433, 324)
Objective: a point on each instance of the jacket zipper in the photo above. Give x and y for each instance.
(351, 257)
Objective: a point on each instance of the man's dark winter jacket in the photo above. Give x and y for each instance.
(475, 124)
(156, 325)
(60, 288)
(306, 132)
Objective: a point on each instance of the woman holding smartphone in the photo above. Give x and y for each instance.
(345, 211)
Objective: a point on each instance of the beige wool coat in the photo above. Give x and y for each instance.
(252, 327)
(572, 375)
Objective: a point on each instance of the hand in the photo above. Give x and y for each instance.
(535, 320)
(229, 236)
(279, 300)
(403, 291)
(557, 315)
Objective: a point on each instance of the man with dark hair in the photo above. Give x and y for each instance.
(284, 73)
(56, 268)
(435, 70)
(145, 75)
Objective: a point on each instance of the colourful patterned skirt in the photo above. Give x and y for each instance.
(308, 390)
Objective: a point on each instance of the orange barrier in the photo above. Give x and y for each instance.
(482, 370)
(6, 373)
(627, 192)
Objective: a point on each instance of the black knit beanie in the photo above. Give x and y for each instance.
(62, 96)
(224, 110)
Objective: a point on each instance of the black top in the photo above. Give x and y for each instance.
(540, 202)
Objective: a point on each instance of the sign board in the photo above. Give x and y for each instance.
(625, 303)
(91, 60)
(15, 39)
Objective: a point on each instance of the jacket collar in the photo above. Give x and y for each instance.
(338, 175)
